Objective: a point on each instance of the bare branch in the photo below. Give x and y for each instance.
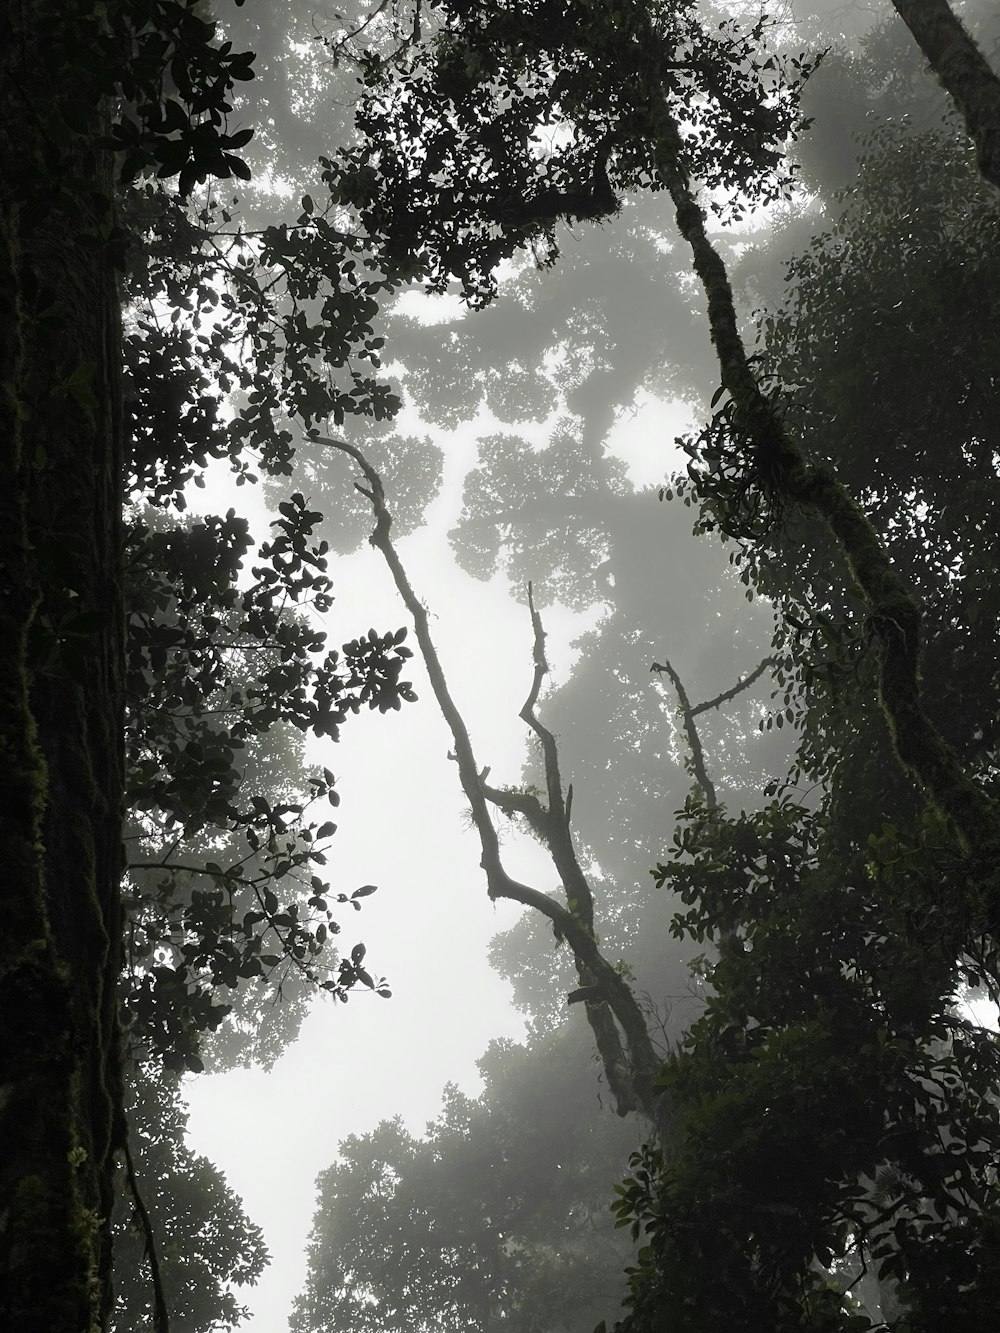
(499, 883)
(689, 712)
(612, 1010)
(691, 731)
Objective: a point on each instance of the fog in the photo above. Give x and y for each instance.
(534, 444)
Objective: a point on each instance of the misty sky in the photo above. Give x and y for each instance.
(402, 826)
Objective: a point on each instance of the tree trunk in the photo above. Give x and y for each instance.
(61, 695)
(963, 71)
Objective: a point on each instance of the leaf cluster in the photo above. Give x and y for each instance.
(229, 336)
(171, 81)
(830, 1057)
(213, 671)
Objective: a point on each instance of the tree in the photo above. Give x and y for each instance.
(62, 769)
(736, 1187)
(102, 106)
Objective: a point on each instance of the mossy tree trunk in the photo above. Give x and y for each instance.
(61, 697)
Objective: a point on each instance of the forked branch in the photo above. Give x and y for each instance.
(614, 1015)
(691, 731)
(689, 712)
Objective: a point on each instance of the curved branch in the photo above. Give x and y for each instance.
(777, 462)
(499, 883)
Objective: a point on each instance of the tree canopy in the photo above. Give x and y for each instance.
(815, 696)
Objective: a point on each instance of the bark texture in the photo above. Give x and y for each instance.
(964, 72)
(61, 696)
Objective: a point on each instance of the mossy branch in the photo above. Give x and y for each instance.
(775, 462)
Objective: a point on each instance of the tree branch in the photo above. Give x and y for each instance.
(161, 1317)
(738, 688)
(689, 713)
(612, 1009)
(775, 462)
(963, 71)
(691, 731)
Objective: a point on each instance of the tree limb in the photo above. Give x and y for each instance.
(775, 462)
(613, 1013)
(689, 713)
(963, 71)
(691, 731)
(738, 688)
(161, 1317)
